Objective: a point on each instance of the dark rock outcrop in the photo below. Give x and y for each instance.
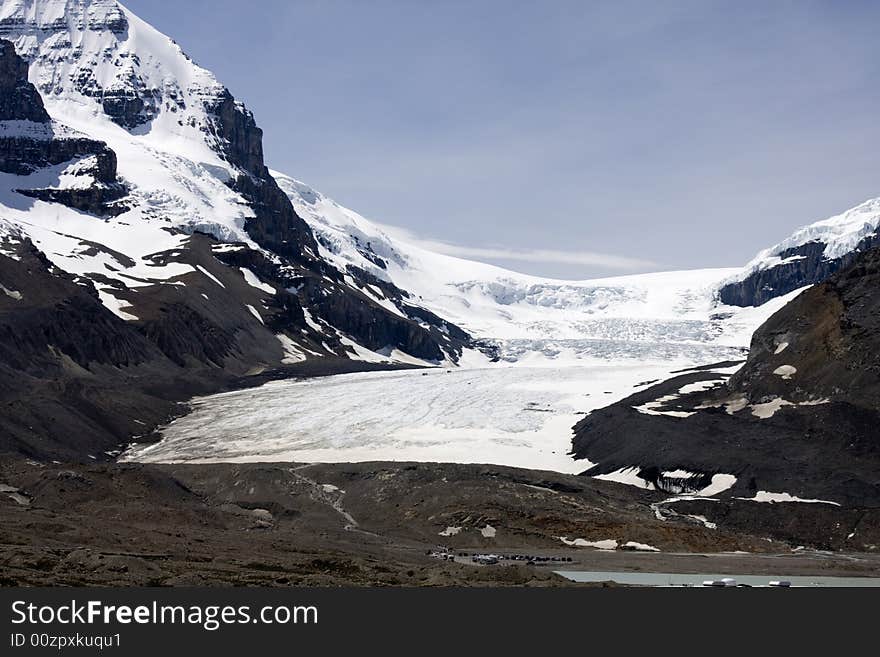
(276, 225)
(237, 133)
(19, 99)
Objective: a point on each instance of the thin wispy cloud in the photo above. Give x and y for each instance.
(583, 258)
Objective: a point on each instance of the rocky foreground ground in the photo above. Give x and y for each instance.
(288, 524)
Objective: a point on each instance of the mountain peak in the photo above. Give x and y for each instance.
(61, 14)
(95, 52)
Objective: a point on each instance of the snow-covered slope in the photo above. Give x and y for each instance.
(810, 255)
(840, 234)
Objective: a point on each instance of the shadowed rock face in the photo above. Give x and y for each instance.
(19, 99)
(76, 380)
(801, 416)
(275, 225)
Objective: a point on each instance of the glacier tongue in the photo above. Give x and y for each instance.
(518, 416)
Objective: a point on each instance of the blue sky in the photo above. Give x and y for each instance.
(567, 139)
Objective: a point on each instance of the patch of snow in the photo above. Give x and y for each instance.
(785, 371)
(226, 248)
(654, 407)
(360, 352)
(488, 531)
(292, 352)
(12, 294)
(699, 386)
(114, 305)
(679, 474)
(719, 484)
(606, 544)
(782, 346)
(400, 356)
(450, 531)
(254, 281)
(629, 476)
(643, 547)
(210, 275)
(772, 498)
(768, 409)
(254, 312)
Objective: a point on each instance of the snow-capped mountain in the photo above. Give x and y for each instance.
(180, 157)
(809, 256)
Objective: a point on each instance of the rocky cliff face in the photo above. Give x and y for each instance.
(275, 224)
(19, 99)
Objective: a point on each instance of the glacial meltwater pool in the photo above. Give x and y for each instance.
(689, 579)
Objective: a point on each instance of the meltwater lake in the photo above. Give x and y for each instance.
(690, 579)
